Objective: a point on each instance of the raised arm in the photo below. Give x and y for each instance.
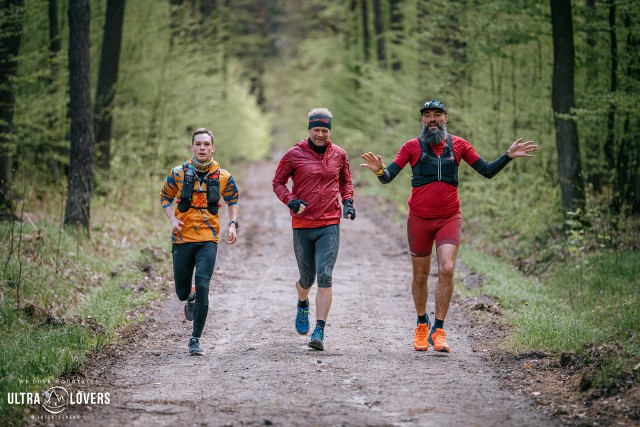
(374, 163)
(517, 149)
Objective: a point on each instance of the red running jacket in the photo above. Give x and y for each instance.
(318, 179)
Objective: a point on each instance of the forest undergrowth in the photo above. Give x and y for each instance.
(64, 293)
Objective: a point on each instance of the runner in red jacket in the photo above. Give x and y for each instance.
(434, 209)
(321, 177)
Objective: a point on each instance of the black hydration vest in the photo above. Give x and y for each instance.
(432, 168)
(213, 190)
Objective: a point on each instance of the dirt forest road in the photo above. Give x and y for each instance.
(258, 371)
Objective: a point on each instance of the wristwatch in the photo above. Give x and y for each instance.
(234, 222)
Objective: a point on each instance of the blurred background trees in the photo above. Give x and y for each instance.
(251, 70)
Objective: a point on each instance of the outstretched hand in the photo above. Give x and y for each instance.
(521, 149)
(374, 162)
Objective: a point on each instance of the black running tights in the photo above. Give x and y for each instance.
(200, 256)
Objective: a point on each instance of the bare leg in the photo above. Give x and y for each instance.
(446, 266)
(302, 293)
(419, 288)
(323, 303)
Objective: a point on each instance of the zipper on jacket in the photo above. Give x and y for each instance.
(439, 169)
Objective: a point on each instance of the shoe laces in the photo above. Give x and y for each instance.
(439, 335)
(422, 332)
(302, 314)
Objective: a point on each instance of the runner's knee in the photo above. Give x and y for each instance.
(306, 282)
(324, 280)
(202, 290)
(183, 294)
(420, 277)
(446, 270)
(183, 289)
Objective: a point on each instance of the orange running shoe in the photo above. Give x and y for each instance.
(420, 340)
(438, 341)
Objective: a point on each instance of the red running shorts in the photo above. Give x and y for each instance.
(422, 232)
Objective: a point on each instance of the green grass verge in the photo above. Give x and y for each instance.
(110, 305)
(592, 302)
(35, 353)
(64, 295)
(32, 357)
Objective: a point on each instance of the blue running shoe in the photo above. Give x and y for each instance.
(316, 339)
(194, 347)
(302, 321)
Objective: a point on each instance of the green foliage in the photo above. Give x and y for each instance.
(170, 83)
(490, 61)
(503, 93)
(586, 303)
(169, 88)
(604, 286)
(109, 304)
(74, 292)
(33, 356)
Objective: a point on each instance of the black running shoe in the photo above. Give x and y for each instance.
(194, 347)
(189, 306)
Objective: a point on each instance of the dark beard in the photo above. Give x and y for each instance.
(433, 137)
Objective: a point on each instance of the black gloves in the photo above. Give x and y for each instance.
(294, 204)
(348, 209)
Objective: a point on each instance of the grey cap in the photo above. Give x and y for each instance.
(434, 104)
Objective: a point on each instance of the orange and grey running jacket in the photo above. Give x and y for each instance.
(199, 224)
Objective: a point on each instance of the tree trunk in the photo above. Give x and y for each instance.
(569, 165)
(225, 41)
(593, 141)
(422, 12)
(207, 7)
(259, 57)
(107, 79)
(366, 38)
(82, 139)
(351, 31)
(456, 45)
(378, 20)
(54, 30)
(175, 21)
(613, 87)
(397, 31)
(11, 17)
(351, 38)
(53, 120)
(497, 80)
(622, 197)
(628, 162)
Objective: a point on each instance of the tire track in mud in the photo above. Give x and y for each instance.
(257, 370)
